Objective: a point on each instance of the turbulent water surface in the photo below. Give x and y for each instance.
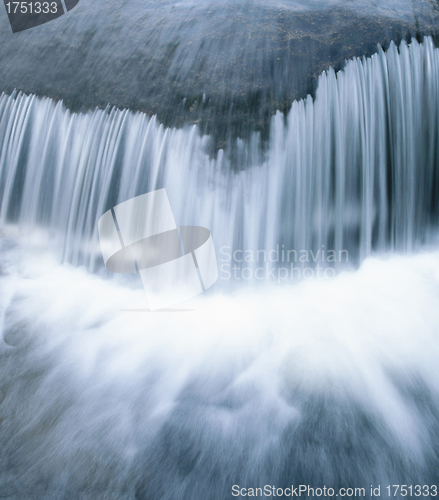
(331, 380)
(326, 383)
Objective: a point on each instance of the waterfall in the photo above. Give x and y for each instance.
(329, 383)
(354, 169)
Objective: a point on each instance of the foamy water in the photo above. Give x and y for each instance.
(330, 382)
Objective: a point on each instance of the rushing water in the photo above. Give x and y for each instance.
(354, 170)
(325, 383)
(328, 382)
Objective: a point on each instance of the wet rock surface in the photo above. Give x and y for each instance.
(226, 68)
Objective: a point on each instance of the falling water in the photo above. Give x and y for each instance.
(355, 169)
(324, 383)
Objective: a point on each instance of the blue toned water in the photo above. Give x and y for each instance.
(354, 170)
(326, 382)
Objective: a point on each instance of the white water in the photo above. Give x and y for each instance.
(323, 383)
(331, 382)
(354, 170)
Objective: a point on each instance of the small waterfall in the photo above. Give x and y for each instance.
(329, 384)
(355, 169)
